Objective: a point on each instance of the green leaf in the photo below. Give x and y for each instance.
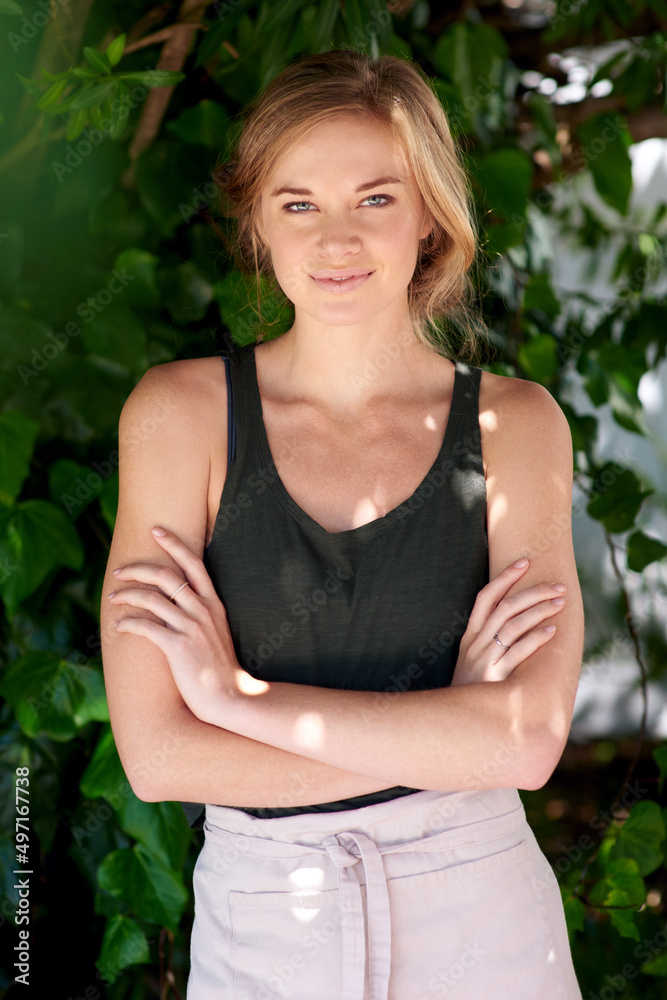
(582, 426)
(138, 267)
(622, 890)
(625, 365)
(73, 486)
(186, 292)
(124, 943)
(596, 382)
(605, 146)
(76, 124)
(104, 776)
(51, 97)
(98, 60)
(539, 358)
(616, 497)
(160, 826)
(277, 14)
(109, 501)
(327, 14)
(660, 757)
(622, 913)
(638, 838)
(505, 176)
(227, 18)
(643, 550)
(17, 441)
(92, 705)
(153, 77)
(151, 890)
(539, 295)
(35, 538)
(236, 295)
(115, 333)
(115, 49)
(471, 54)
(50, 695)
(168, 175)
(626, 414)
(33, 87)
(9, 7)
(83, 73)
(119, 113)
(93, 96)
(95, 114)
(575, 911)
(205, 124)
(656, 967)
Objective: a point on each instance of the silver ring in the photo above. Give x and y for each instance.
(186, 584)
(499, 642)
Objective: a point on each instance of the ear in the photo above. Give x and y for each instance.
(428, 225)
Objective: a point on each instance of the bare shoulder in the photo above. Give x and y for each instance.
(172, 444)
(190, 391)
(516, 413)
(188, 379)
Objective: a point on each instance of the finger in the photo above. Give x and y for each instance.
(157, 634)
(494, 591)
(164, 577)
(514, 604)
(151, 600)
(521, 650)
(517, 626)
(193, 566)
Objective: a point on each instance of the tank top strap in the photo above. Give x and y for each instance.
(242, 411)
(467, 403)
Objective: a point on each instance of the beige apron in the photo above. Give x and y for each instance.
(433, 894)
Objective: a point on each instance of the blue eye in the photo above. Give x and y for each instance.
(387, 198)
(297, 207)
(292, 204)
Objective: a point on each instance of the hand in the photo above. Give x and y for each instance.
(515, 620)
(193, 635)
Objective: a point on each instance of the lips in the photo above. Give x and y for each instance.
(341, 281)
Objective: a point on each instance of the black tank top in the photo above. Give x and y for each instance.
(381, 607)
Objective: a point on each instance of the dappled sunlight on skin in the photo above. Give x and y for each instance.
(517, 714)
(250, 685)
(309, 731)
(366, 509)
(500, 509)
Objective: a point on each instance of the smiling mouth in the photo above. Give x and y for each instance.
(339, 285)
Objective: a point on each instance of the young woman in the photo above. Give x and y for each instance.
(309, 642)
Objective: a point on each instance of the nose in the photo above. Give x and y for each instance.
(338, 236)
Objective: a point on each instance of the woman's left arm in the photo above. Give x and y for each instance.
(506, 733)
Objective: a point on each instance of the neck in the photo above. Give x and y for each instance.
(344, 369)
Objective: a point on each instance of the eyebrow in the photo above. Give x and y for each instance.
(362, 187)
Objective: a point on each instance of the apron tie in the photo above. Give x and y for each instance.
(379, 921)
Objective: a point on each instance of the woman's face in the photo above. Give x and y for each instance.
(344, 203)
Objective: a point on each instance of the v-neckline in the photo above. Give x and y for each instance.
(377, 524)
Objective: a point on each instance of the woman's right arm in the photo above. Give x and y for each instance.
(166, 438)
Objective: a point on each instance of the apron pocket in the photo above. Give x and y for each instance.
(286, 944)
(473, 930)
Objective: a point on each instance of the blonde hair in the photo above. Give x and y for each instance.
(396, 93)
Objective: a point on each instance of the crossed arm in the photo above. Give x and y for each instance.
(289, 744)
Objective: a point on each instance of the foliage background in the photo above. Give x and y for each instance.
(114, 257)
